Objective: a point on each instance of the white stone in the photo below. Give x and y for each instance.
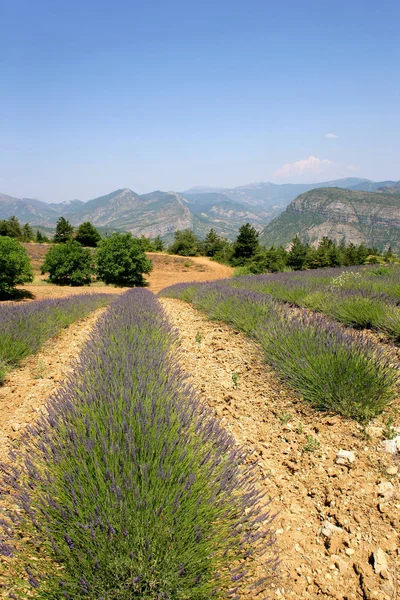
(386, 490)
(380, 562)
(345, 457)
(389, 446)
(327, 528)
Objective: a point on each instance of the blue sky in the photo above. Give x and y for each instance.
(96, 96)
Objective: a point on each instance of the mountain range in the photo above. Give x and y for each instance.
(162, 213)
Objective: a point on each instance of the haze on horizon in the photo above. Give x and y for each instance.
(171, 96)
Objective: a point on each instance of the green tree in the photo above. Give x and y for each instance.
(327, 253)
(68, 264)
(146, 243)
(297, 255)
(350, 257)
(362, 254)
(158, 244)
(87, 235)
(64, 231)
(213, 243)
(40, 238)
(121, 260)
(27, 233)
(246, 244)
(15, 266)
(185, 243)
(11, 227)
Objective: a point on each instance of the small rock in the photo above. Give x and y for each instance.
(16, 426)
(327, 528)
(391, 446)
(386, 491)
(345, 457)
(349, 551)
(380, 563)
(392, 470)
(341, 564)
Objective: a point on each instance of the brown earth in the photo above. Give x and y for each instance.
(295, 448)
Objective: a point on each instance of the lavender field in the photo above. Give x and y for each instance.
(129, 488)
(332, 367)
(361, 297)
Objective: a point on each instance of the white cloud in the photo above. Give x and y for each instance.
(331, 135)
(312, 164)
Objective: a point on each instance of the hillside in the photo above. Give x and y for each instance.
(162, 213)
(372, 218)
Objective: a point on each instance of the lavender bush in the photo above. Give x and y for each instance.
(333, 368)
(24, 327)
(129, 486)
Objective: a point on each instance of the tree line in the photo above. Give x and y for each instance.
(247, 253)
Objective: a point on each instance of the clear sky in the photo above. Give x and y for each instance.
(169, 94)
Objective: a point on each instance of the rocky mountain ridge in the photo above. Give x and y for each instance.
(372, 218)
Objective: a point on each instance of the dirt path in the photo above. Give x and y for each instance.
(26, 389)
(297, 448)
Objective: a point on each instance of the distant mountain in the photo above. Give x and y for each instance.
(372, 218)
(162, 213)
(390, 188)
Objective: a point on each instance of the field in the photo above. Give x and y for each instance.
(154, 486)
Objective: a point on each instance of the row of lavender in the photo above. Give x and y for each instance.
(25, 327)
(129, 488)
(333, 368)
(366, 297)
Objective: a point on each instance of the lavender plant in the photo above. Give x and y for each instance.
(334, 369)
(129, 486)
(25, 327)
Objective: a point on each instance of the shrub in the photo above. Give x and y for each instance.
(15, 267)
(129, 484)
(24, 327)
(121, 260)
(68, 264)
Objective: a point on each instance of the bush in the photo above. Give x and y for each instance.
(15, 266)
(121, 260)
(132, 488)
(68, 264)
